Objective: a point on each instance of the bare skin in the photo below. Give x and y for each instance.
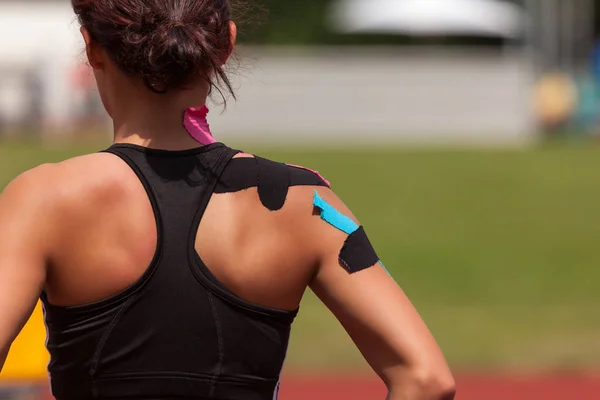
(83, 230)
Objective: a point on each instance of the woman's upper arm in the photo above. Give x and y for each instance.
(24, 241)
(371, 306)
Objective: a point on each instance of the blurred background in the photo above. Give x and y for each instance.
(463, 133)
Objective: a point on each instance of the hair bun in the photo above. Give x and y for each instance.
(170, 45)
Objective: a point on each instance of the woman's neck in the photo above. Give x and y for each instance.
(163, 122)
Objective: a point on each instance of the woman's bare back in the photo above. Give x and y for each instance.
(108, 237)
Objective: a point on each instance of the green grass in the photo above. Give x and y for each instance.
(499, 250)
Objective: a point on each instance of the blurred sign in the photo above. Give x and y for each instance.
(28, 358)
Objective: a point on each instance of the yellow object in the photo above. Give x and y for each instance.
(28, 358)
(555, 98)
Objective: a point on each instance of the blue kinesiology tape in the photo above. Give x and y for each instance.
(333, 217)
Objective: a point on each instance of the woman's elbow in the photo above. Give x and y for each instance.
(434, 384)
(423, 384)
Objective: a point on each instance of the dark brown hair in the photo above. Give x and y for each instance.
(170, 44)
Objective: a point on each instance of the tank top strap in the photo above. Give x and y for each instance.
(179, 185)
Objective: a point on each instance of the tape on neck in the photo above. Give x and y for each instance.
(196, 123)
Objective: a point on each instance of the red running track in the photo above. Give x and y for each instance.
(471, 387)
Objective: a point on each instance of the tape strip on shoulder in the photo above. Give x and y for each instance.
(273, 183)
(272, 179)
(320, 179)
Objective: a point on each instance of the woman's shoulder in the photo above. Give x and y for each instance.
(69, 183)
(301, 194)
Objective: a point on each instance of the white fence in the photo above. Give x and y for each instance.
(391, 94)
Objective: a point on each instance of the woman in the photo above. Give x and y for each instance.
(172, 266)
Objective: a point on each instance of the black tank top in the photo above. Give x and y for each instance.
(177, 333)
